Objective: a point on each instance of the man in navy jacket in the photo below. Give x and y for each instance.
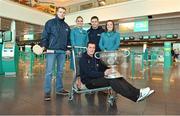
(92, 73)
(55, 36)
(94, 33)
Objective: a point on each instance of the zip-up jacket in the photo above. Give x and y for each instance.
(79, 37)
(109, 41)
(90, 68)
(94, 36)
(56, 34)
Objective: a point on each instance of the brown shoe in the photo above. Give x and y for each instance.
(105, 91)
(62, 92)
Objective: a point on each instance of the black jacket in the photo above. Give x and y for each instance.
(90, 68)
(95, 35)
(56, 34)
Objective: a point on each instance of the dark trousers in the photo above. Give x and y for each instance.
(119, 85)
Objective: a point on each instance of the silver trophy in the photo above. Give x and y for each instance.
(112, 59)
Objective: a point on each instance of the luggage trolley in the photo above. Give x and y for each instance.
(76, 54)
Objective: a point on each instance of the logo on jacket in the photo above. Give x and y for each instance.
(67, 29)
(88, 61)
(98, 34)
(97, 65)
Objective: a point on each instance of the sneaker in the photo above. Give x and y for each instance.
(143, 93)
(150, 92)
(47, 97)
(63, 92)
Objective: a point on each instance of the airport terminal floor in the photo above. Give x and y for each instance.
(23, 94)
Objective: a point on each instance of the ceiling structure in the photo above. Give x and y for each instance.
(55, 2)
(49, 6)
(64, 2)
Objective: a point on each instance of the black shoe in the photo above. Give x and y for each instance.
(63, 92)
(47, 97)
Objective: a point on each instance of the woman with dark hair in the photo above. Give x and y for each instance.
(110, 39)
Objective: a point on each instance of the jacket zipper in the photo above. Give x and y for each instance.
(51, 43)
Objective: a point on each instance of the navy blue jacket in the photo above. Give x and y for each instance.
(94, 36)
(90, 68)
(56, 34)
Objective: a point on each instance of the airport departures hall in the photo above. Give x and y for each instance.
(89, 57)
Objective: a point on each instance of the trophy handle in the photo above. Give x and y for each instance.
(96, 56)
(127, 51)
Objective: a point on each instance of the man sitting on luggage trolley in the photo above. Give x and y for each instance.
(93, 73)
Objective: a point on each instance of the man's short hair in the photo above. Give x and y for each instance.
(91, 43)
(61, 8)
(94, 17)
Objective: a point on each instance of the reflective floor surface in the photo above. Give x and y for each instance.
(24, 95)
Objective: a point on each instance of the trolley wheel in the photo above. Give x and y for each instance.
(111, 100)
(70, 96)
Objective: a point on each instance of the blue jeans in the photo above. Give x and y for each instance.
(50, 62)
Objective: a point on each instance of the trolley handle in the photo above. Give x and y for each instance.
(76, 47)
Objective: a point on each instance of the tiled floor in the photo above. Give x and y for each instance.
(24, 95)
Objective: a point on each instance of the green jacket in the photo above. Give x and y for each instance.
(109, 41)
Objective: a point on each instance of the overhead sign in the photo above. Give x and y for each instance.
(140, 26)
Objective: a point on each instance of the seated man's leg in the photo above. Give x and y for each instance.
(121, 86)
(97, 83)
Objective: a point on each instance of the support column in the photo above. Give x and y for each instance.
(0, 23)
(13, 30)
(167, 55)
